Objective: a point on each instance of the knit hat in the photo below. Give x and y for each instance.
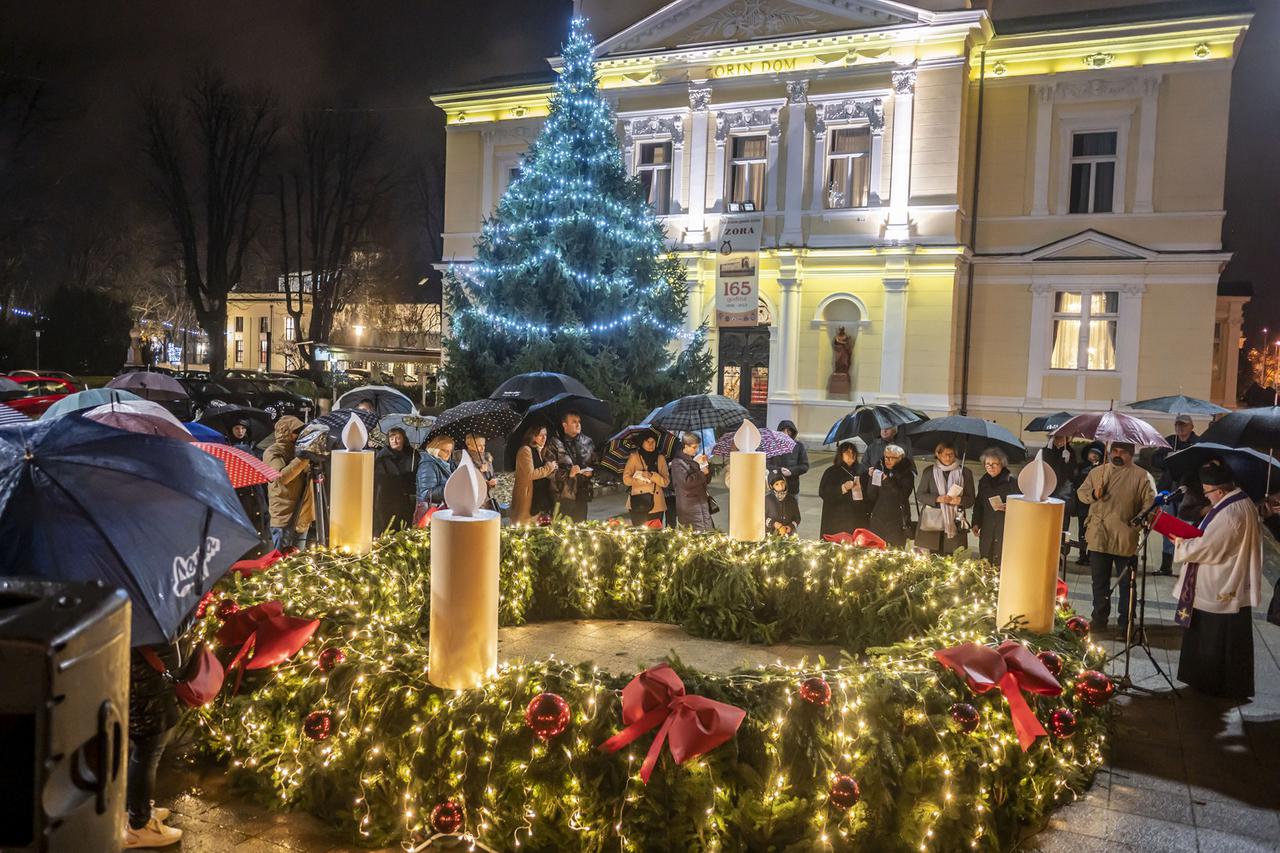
(1215, 473)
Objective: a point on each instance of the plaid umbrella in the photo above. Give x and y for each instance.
(621, 446)
(867, 421)
(337, 419)
(243, 469)
(772, 443)
(1048, 423)
(698, 412)
(1113, 426)
(488, 418)
(970, 436)
(1179, 404)
(10, 415)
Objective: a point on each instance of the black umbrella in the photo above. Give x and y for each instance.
(1048, 423)
(597, 420)
(10, 390)
(526, 389)
(154, 516)
(1253, 471)
(970, 436)
(1179, 405)
(223, 418)
(339, 418)
(866, 422)
(487, 418)
(1257, 428)
(156, 387)
(385, 400)
(699, 412)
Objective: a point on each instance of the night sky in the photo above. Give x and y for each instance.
(390, 55)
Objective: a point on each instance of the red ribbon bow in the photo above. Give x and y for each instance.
(692, 725)
(265, 630)
(1062, 591)
(248, 567)
(1011, 667)
(860, 538)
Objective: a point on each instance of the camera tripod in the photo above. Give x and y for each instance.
(1136, 623)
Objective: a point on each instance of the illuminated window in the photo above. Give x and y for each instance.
(746, 172)
(760, 385)
(290, 329)
(654, 170)
(1084, 330)
(239, 323)
(731, 379)
(239, 350)
(264, 352)
(1093, 172)
(848, 168)
(264, 325)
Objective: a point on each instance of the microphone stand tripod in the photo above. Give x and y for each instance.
(1136, 623)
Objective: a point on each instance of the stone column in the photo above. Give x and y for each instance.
(1041, 165)
(898, 226)
(785, 377)
(699, 104)
(1144, 186)
(793, 201)
(893, 340)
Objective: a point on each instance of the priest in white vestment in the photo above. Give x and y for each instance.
(1217, 589)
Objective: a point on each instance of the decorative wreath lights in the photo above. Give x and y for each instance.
(935, 731)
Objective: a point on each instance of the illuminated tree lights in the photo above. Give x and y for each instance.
(368, 744)
(572, 273)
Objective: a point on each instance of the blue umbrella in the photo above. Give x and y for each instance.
(91, 399)
(154, 516)
(204, 433)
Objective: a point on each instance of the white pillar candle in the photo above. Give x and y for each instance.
(1030, 553)
(746, 486)
(351, 492)
(465, 551)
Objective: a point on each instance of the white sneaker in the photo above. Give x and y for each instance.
(160, 813)
(153, 834)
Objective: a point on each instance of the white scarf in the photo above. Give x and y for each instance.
(944, 477)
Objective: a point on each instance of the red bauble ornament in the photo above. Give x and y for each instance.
(815, 691)
(1094, 688)
(1051, 661)
(227, 607)
(544, 520)
(331, 657)
(317, 725)
(1078, 625)
(844, 793)
(446, 818)
(965, 717)
(1062, 722)
(548, 715)
(203, 607)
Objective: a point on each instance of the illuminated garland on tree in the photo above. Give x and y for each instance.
(572, 273)
(886, 750)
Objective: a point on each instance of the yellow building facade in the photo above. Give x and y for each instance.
(866, 134)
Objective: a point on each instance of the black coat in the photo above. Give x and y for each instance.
(891, 505)
(840, 512)
(1063, 463)
(153, 706)
(785, 511)
(797, 461)
(991, 534)
(395, 488)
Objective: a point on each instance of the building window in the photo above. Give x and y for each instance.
(264, 352)
(760, 385)
(264, 325)
(746, 173)
(290, 328)
(654, 170)
(732, 381)
(848, 168)
(1093, 171)
(1084, 330)
(239, 350)
(239, 323)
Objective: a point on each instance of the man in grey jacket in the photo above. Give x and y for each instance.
(575, 453)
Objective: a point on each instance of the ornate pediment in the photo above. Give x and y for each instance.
(1091, 246)
(696, 22)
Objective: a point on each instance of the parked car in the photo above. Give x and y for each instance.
(206, 393)
(50, 374)
(42, 392)
(271, 397)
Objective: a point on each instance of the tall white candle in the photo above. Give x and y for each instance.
(1030, 553)
(465, 545)
(746, 485)
(351, 492)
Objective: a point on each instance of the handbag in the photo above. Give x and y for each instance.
(712, 506)
(931, 520)
(204, 677)
(641, 503)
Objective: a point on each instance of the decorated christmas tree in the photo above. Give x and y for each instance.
(572, 274)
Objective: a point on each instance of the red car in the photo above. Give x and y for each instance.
(42, 392)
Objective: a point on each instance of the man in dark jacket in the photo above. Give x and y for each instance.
(874, 457)
(574, 453)
(794, 464)
(1184, 435)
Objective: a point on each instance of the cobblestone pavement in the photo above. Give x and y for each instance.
(1186, 772)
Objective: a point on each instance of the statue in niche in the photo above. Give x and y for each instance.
(841, 360)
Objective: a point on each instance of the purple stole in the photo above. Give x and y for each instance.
(1187, 598)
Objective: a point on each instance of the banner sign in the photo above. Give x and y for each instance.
(738, 271)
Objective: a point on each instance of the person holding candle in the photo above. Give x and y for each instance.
(434, 469)
(690, 472)
(944, 492)
(891, 487)
(781, 510)
(646, 475)
(531, 496)
(394, 482)
(988, 509)
(845, 490)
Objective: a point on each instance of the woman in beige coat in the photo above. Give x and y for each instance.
(647, 475)
(531, 495)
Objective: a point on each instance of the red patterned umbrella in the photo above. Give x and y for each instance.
(244, 469)
(1112, 426)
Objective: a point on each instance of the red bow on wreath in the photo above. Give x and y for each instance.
(692, 725)
(265, 630)
(1011, 667)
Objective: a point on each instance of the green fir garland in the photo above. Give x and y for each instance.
(396, 747)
